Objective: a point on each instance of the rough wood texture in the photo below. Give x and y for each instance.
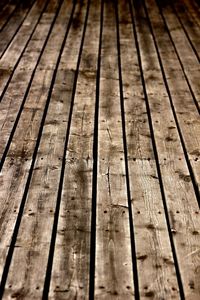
(70, 273)
(12, 27)
(114, 276)
(175, 174)
(100, 149)
(151, 232)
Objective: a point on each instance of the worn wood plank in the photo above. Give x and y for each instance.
(184, 50)
(153, 247)
(70, 273)
(22, 147)
(187, 114)
(13, 54)
(17, 92)
(100, 160)
(113, 273)
(9, 31)
(183, 213)
(191, 30)
(54, 132)
(6, 12)
(193, 10)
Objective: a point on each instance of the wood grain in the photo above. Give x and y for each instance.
(21, 82)
(30, 125)
(9, 31)
(184, 49)
(70, 273)
(99, 149)
(12, 56)
(113, 273)
(187, 115)
(153, 247)
(184, 221)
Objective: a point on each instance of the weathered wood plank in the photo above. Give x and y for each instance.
(9, 31)
(186, 112)
(17, 92)
(184, 50)
(13, 54)
(113, 273)
(191, 30)
(20, 156)
(48, 167)
(6, 12)
(70, 273)
(193, 10)
(153, 247)
(182, 207)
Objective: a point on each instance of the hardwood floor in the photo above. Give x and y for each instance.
(100, 149)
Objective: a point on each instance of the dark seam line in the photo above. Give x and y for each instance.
(179, 59)
(23, 202)
(10, 16)
(62, 174)
(192, 12)
(123, 119)
(185, 31)
(15, 33)
(27, 90)
(95, 165)
(195, 185)
(157, 160)
(16, 64)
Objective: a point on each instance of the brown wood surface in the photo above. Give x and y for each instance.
(6, 11)
(100, 149)
(151, 233)
(71, 265)
(12, 27)
(182, 217)
(12, 56)
(113, 275)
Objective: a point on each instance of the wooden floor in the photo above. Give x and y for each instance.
(100, 149)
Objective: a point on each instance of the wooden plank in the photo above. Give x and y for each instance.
(41, 199)
(189, 26)
(184, 50)
(187, 114)
(181, 204)
(193, 10)
(70, 273)
(6, 12)
(153, 247)
(113, 272)
(24, 141)
(8, 32)
(13, 54)
(17, 92)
